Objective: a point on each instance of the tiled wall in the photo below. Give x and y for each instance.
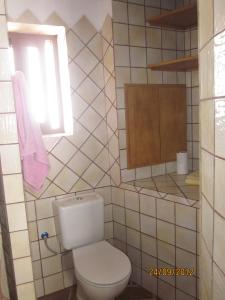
(87, 160)
(111, 103)
(138, 44)
(192, 94)
(55, 272)
(12, 206)
(157, 230)
(212, 92)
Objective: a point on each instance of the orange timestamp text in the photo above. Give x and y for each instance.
(171, 271)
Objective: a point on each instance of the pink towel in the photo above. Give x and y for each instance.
(34, 157)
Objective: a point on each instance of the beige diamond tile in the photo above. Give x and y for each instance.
(91, 147)
(93, 175)
(105, 181)
(101, 132)
(38, 194)
(108, 104)
(102, 160)
(50, 142)
(90, 119)
(88, 90)
(97, 75)
(78, 105)
(76, 75)
(107, 75)
(52, 191)
(81, 185)
(107, 29)
(84, 29)
(99, 104)
(28, 17)
(66, 179)
(54, 19)
(114, 147)
(55, 167)
(111, 160)
(86, 60)
(109, 60)
(115, 173)
(112, 118)
(95, 46)
(64, 150)
(79, 163)
(110, 89)
(80, 134)
(28, 196)
(74, 44)
(109, 132)
(105, 46)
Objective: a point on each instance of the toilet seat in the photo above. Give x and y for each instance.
(101, 264)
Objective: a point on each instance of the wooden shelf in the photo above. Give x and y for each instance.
(178, 65)
(180, 18)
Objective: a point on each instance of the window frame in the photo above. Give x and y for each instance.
(20, 33)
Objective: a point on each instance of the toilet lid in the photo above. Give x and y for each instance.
(101, 263)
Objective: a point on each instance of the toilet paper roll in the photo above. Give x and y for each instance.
(182, 163)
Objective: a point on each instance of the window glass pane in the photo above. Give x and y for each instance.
(52, 97)
(35, 83)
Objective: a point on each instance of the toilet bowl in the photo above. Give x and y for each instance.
(102, 271)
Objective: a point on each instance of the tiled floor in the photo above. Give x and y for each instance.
(130, 293)
(136, 292)
(171, 183)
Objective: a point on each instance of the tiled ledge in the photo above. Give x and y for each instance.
(169, 184)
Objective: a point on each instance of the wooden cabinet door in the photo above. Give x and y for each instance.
(142, 121)
(173, 125)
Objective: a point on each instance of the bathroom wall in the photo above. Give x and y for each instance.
(12, 206)
(138, 44)
(212, 135)
(192, 94)
(157, 230)
(88, 160)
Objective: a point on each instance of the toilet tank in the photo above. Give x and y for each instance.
(79, 220)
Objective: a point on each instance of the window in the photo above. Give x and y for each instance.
(42, 57)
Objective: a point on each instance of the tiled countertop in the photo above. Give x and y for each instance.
(171, 184)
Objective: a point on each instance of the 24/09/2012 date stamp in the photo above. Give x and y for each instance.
(171, 271)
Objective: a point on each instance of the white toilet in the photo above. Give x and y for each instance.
(102, 271)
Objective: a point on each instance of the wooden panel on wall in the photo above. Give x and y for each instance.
(156, 123)
(142, 121)
(173, 126)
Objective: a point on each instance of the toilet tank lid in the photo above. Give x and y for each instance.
(78, 200)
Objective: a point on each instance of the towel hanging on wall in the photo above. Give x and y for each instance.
(35, 164)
